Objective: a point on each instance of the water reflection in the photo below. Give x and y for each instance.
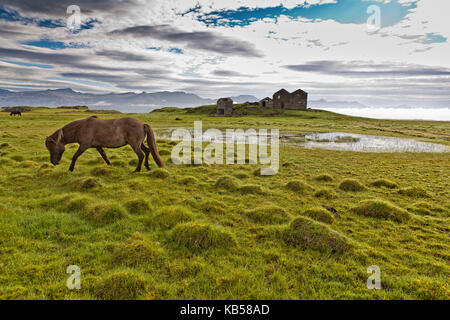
(331, 141)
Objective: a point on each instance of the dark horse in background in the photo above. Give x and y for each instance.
(13, 113)
(100, 133)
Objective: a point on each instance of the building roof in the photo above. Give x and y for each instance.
(225, 99)
(282, 91)
(265, 99)
(299, 90)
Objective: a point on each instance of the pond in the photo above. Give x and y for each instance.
(330, 140)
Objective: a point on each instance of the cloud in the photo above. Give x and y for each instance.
(59, 7)
(123, 56)
(367, 69)
(196, 40)
(227, 73)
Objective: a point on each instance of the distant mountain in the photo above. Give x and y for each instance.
(126, 102)
(322, 103)
(244, 98)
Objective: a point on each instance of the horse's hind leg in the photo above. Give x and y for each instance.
(103, 154)
(140, 155)
(147, 153)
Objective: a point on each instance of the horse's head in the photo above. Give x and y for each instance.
(55, 147)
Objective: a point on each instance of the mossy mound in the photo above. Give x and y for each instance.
(384, 183)
(159, 173)
(325, 193)
(241, 175)
(189, 180)
(251, 189)
(352, 185)
(194, 235)
(77, 204)
(94, 162)
(415, 192)
(101, 171)
(133, 162)
(212, 207)
(138, 251)
(227, 183)
(106, 213)
(138, 206)
(381, 209)
(122, 285)
(299, 186)
(306, 233)
(319, 214)
(47, 166)
(323, 178)
(172, 215)
(28, 164)
(119, 163)
(89, 183)
(268, 215)
(17, 158)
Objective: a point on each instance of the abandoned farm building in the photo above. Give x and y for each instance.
(296, 100)
(225, 107)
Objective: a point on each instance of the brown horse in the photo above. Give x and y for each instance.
(13, 113)
(100, 133)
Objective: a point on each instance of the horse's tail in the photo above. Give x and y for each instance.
(152, 145)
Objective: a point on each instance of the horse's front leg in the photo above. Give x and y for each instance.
(80, 150)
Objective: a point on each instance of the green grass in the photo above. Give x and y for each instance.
(224, 231)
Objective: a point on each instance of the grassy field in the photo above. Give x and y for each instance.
(222, 231)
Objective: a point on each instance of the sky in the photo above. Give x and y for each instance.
(337, 50)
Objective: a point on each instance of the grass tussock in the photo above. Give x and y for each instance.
(106, 213)
(121, 285)
(213, 207)
(17, 158)
(159, 173)
(101, 171)
(299, 186)
(189, 180)
(384, 183)
(193, 235)
(414, 192)
(269, 214)
(381, 209)
(323, 178)
(138, 206)
(227, 183)
(319, 214)
(352, 185)
(139, 251)
(306, 233)
(47, 166)
(251, 189)
(77, 204)
(29, 164)
(170, 216)
(325, 193)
